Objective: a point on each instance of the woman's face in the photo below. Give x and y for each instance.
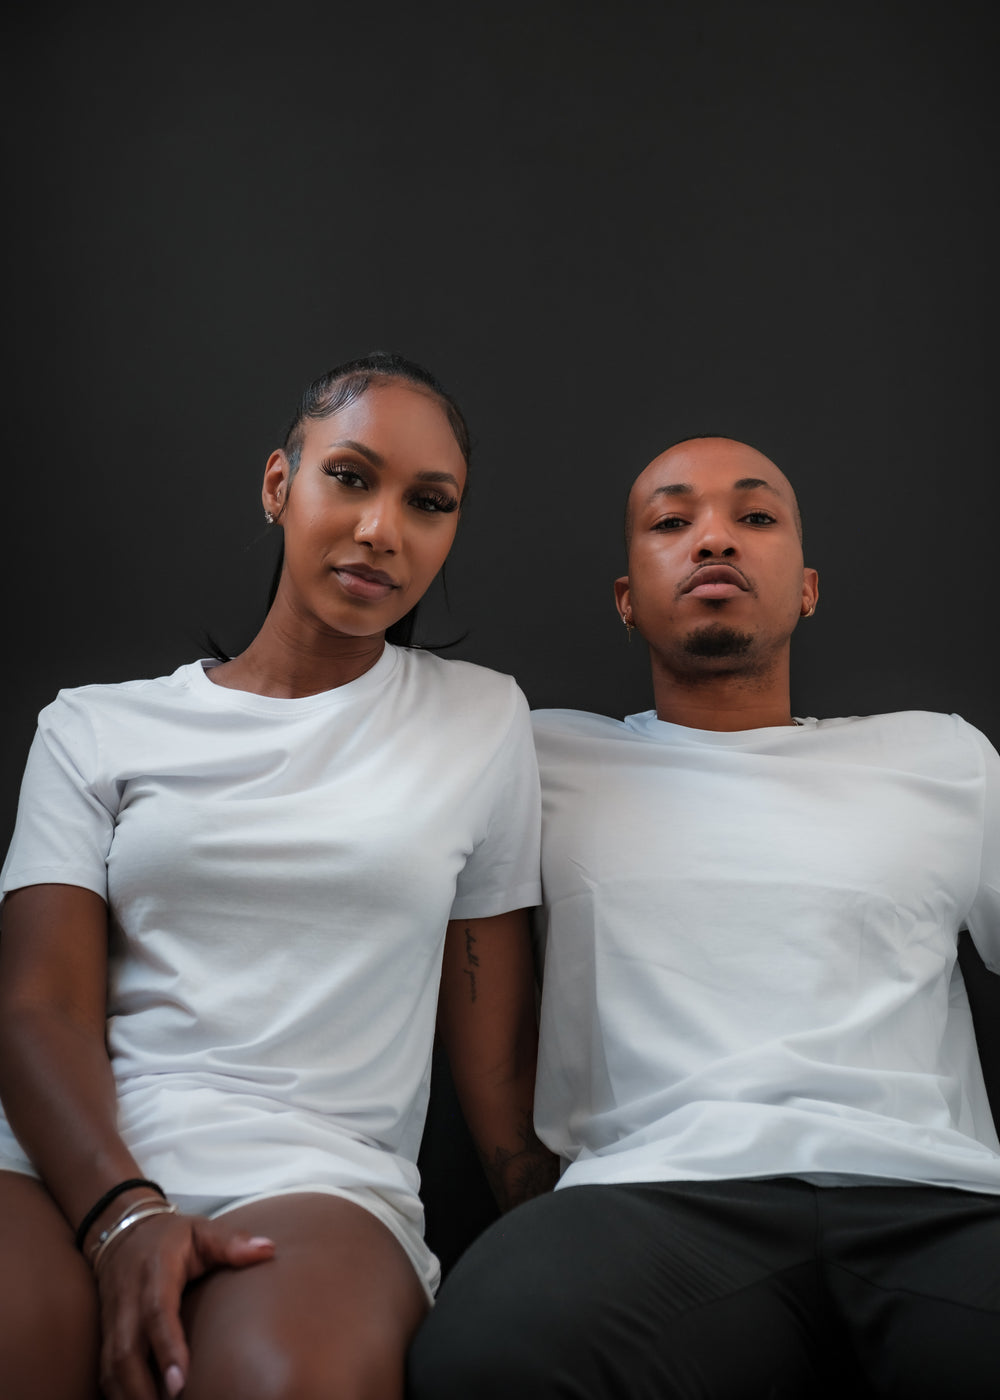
(372, 510)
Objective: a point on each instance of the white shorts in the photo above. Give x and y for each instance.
(425, 1263)
(407, 1232)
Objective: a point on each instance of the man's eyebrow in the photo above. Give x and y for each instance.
(377, 460)
(675, 488)
(754, 483)
(684, 488)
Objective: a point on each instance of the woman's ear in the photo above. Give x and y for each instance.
(274, 493)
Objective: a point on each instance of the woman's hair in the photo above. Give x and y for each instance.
(339, 387)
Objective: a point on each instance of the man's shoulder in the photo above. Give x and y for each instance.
(578, 739)
(576, 724)
(917, 740)
(902, 725)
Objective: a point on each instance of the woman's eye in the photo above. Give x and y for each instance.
(347, 476)
(434, 503)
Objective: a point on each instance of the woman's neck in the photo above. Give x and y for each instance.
(288, 661)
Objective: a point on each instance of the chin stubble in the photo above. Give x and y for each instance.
(717, 641)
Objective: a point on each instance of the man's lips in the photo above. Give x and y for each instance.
(361, 582)
(715, 581)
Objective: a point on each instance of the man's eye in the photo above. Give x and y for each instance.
(760, 517)
(670, 522)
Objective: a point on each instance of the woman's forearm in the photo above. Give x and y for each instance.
(56, 1081)
(59, 1096)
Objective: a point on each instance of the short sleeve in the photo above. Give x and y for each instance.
(502, 872)
(65, 815)
(984, 916)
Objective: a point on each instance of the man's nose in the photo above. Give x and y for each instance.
(714, 539)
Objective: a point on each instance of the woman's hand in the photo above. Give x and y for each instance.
(140, 1280)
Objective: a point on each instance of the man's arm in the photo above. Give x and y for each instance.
(487, 1022)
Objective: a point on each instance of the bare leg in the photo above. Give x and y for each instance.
(49, 1330)
(328, 1318)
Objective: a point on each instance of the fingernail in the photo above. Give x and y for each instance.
(260, 1240)
(173, 1379)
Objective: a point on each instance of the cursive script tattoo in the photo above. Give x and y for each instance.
(471, 960)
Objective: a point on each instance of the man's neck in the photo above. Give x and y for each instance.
(725, 702)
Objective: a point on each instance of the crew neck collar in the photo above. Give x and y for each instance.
(223, 695)
(647, 723)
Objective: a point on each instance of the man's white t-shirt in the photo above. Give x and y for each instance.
(751, 937)
(279, 875)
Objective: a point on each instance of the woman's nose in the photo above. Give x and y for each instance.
(379, 527)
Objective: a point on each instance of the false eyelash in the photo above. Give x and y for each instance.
(443, 504)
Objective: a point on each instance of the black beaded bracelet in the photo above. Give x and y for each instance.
(105, 1201)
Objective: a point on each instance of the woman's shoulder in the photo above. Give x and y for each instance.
(111, 697)
(461, 680)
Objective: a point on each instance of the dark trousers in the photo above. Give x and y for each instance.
(732, 1290)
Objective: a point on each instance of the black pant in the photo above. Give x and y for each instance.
(730, 1290)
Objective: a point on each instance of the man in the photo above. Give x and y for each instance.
(757, 1054)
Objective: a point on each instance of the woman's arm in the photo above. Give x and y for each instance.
(58, 1091)
(487, 1022)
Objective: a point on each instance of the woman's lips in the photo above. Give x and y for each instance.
(370, 584)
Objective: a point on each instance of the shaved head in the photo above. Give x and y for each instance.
(690, 449)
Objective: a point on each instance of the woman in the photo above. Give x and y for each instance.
(225, 904)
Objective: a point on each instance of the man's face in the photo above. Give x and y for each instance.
(716, 580)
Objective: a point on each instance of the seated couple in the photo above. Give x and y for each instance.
(234, 895)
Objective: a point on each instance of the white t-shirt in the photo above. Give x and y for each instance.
(751, 948)
(279, 875)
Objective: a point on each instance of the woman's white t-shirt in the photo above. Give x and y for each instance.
(279, 875)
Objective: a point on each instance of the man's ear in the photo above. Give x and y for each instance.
(623, 599)
(274, 492)
(810, 592)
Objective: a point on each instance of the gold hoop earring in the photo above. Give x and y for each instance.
(810, 612)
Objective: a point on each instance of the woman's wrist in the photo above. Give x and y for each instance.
(134, 1215)
(100, 1206)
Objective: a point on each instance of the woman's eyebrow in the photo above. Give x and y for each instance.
(438, 476)
(368, 453)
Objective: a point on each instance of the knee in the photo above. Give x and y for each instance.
(265, 1370)
(469, 1346)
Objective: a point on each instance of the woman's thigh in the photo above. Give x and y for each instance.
(49, 1334)
(329, 1316)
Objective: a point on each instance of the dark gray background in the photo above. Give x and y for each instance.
(604, 226)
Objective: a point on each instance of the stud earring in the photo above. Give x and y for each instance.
(627, 620)
(269, 517)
